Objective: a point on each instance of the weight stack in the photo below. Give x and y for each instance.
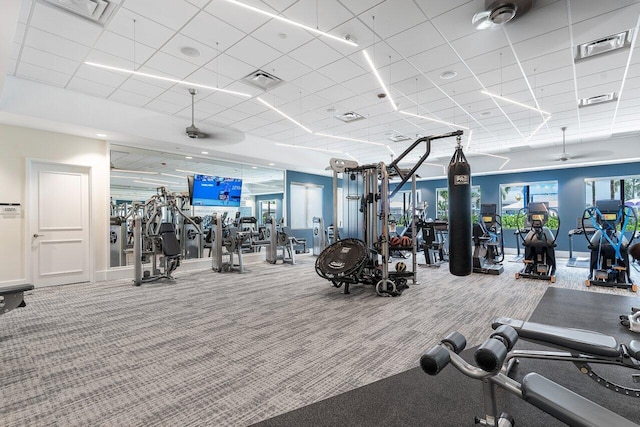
(459, 175)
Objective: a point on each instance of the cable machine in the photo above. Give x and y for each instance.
(361, 251)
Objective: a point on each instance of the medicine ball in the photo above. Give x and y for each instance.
(634, 251)
(405, 241)
(401, 266)
(395, 241)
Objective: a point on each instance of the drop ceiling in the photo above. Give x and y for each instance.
(412, 43)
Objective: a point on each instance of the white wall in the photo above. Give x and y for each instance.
(16, 146)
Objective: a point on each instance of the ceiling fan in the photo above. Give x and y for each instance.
(193, 131)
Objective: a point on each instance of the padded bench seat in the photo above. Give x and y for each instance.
(567, 406)
(9, 290)
(576, 339)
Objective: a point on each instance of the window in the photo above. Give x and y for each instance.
(518, 195)
(306, 202)
(609, 189)
(442, 202)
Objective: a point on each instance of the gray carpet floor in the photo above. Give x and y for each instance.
(233, 349)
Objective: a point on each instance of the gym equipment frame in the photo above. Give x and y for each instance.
(12, 297)
(490, 357)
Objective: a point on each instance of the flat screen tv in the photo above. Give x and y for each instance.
(208, 190)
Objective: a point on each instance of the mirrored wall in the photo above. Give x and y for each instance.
(140, 175)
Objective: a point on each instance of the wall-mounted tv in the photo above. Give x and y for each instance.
(205, 190)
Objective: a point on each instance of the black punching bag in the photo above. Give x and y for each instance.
(460, 259)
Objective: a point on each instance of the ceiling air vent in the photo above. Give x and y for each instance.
(262, 80)
(397, 137)
(607, 97)
(604, 45)
(96, 11)
(349, 117)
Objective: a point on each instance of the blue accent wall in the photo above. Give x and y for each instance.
(327, 200)
(571, 194)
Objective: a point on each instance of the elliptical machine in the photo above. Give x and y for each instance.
(609, 261)
(539, 242)
(488, 252)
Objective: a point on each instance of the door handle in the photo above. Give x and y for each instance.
(38, 235)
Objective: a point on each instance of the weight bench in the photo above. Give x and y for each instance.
(552, 398)
(582, 347)
(13, 297)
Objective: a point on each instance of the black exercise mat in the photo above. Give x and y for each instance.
(413, 398)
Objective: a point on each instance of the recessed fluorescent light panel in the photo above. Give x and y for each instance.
(297, 24)
(292, 120)
(166, 79)
(493, 95)
(599, 99)
(604, 45)
(375, 73)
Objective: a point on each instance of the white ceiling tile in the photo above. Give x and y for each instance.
(359, 6)
(543, 45)
(225, 99)
(279, 5)
(122, 47)
(210, 30)
(253, 52)
(90, 87)
(176, 96)
(435, 8)
(55, 45)
(179, 41)
(324, 15)
(147, 32)
(252, 122)
(251, 107)
(230, 67)
(142, 88)
(315, 54)
(335, 93)
(209, 78)
(341, 70)
(171, 13)
(209, 108)
(287, 69)
(482, 42)
(436, 58)
(60, 23)
(101, 76)
(406, 42)
(229, 115)
(241, 87)
(395, 16)
(363, 84)
(129, 98)
(356, 31)
(237, 16)
(40, 74)
(313, 82)
(456, 23)
(49, 61)
(288, 92)
(282, 37)
(171, 65)
(199, 3)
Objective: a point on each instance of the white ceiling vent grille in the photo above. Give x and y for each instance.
(349, 117)
(97, 11)
(397, 137)
(262, 80)
(607, 97)
(604, 45)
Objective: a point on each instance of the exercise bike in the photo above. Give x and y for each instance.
(609, 261)
(488, 252)
(494, 356)
(539, 242)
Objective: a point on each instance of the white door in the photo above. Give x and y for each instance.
(58, 229)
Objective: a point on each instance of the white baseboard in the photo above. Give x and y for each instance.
(13, 282)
